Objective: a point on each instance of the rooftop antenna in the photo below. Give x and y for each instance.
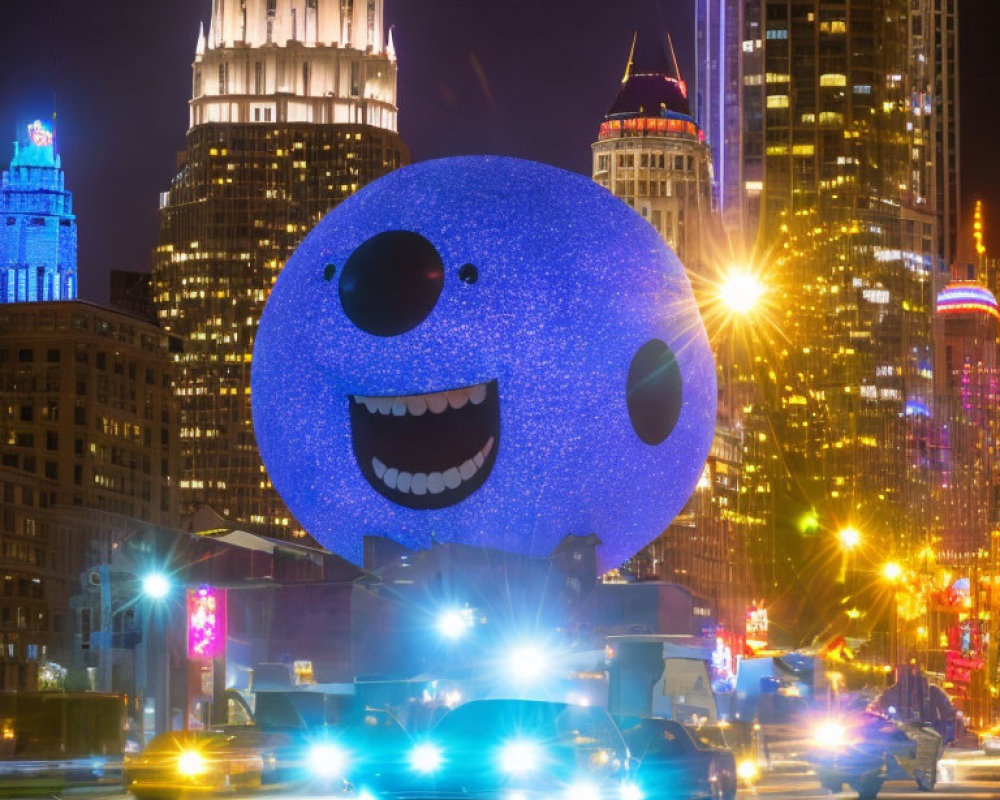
(631, 57)
(673, 56)
(55, 72)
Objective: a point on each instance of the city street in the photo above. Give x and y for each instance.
(799, 785)
(805, 786)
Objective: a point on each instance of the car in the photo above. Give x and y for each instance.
(673, 761)
(741, 738)
(989, 741)
(212, 761)
(367, 752)
(519, 750)
(355, 753)
(865, 750)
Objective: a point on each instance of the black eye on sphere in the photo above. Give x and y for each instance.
(653, 391)
(329, 271)
(468, 273)
(391, 283)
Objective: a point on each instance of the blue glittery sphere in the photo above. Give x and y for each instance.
(488, 351)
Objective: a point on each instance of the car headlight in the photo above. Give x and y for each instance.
(830, 735)
(327, 760)
(629, 791)
(583, 790)
(426, 758)
(747, 770)
(191, 763)
(520, 757)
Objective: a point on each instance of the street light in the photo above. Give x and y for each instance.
(528, 663)
(741, 291)
(809, 522)
(849, 537)
(454, 624)
(892, 571)
(156, 586)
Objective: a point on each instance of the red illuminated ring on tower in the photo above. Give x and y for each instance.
(967, 297)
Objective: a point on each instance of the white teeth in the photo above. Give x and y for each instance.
(403, 483)
(436, 482)
(458, 399)
(437, 403)
(451, 478)
(416, 405)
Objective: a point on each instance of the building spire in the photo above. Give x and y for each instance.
(199, 48)
(390, 47)
(631, 57)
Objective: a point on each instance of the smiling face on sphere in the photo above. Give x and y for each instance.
(488, 351)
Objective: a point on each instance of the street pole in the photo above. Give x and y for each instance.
(220, 707)
(104, 652)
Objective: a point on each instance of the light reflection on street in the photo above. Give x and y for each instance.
(798, 785)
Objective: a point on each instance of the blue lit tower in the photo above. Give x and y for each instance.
(38, 234)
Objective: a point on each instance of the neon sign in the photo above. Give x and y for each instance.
(756, 627)
(39, 135)
(206, 614)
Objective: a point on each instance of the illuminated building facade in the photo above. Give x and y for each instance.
(88, 423)
(293, 109)
(729, 104)
(651, 153)
(934, 179)
(856, 238)
(967, 383)
(835, 130)
(38, 235)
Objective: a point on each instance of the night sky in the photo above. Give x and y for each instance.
(530, 78)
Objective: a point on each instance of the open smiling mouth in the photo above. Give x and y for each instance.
(426, 451)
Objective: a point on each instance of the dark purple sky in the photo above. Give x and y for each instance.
(521, 77)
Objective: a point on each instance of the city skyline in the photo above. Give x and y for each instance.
(125, 127)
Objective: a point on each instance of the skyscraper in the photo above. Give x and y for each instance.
(967, 399)
(934, 108)
(842, 119)
(650, 152)
(89, 457)
(293, 109)
(38, 237)
(728, 45)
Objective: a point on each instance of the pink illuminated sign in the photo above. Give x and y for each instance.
(206, 614)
